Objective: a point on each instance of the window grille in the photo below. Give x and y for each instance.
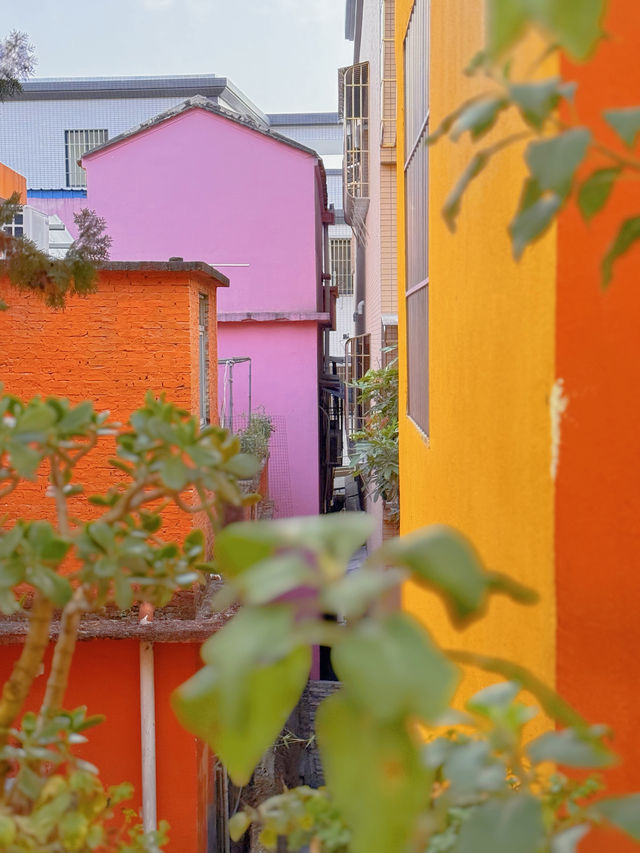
(77, 143)
(356, 129)
(203, 359)
(341, 265)
(416, 183)
(357, 360)
(15, 228)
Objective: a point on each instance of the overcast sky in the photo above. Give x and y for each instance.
(284, 54)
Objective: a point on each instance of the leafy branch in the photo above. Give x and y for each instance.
(557, 149)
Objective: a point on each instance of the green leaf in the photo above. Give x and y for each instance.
(595, 190)
(628, 234)
(123, 591)
(496, 696)
(506, 22)
(102, 534)
(622, 812)
(398, 653)
(533, 218)
(240, 701)
(8, 603)
(453, 201)
(470, 767)
(512, 824)
(238, 825)
(77, 419)
(571, 748)
(577, 26)
(174, 473)
(36, 419)
(352, 594)
(554, 161)
(536, 101)
(244, 466)
(567, 841)
(626, 123)
(23, 459)
(53, 586)
(337, 535)
(375, 774)
(10, 539)
(447, 123)
(478, 118)
(441, 559)
(274, 577)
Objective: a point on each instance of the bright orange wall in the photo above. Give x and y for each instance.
(485, 467)
(138, 332)
(597, 494)
(11, 182)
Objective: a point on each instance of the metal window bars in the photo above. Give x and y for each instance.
(357, 360)
(77, 143)
(341, 265)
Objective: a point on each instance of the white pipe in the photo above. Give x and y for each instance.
(148, 736)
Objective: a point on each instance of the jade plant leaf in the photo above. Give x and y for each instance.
(254, 675)
(374, 773)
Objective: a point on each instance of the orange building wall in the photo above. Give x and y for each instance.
(597, 534)
(138, 332)
(11, 182)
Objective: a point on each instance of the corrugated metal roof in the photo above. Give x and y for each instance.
(303, 118)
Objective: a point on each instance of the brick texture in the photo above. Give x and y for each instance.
(138, 332)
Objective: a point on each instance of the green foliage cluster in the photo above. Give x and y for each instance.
(68, 809)
(255, 437)
(375, 451)
(28, 268)
(386, 791)
(557, 147)
(49, 799)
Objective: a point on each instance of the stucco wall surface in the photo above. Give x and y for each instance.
(597, 497)
(485, 467)
(284, 383)
(204, 188)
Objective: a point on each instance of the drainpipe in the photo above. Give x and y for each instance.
(148, 726)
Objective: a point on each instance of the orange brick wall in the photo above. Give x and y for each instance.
(139, 332)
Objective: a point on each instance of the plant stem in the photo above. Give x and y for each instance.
(62, 656)
(25, 670)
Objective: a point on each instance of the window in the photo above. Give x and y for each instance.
(357, 360)
(416, 183)
(15, 228)
(77, 143)
(203, 359)
(341, 268)
(355, 107)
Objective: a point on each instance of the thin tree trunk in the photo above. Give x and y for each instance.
(26, 669)
(62, 656)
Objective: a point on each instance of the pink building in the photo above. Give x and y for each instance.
(198, 182)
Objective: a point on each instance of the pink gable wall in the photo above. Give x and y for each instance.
(205, 188)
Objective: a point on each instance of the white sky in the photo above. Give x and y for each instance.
(284, 54)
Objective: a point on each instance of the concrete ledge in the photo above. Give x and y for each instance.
(273, 317)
